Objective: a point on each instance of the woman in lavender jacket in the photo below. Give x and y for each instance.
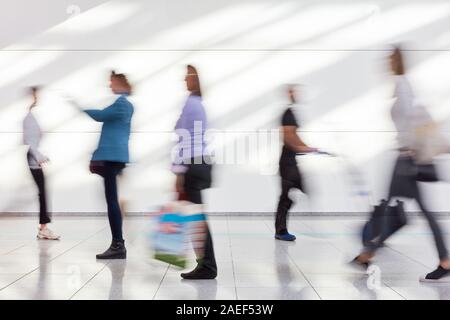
(192, 166)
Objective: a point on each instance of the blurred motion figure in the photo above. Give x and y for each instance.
(412, 165)
(289, 172)
(32, 135)
(192, 166)
(111, 155)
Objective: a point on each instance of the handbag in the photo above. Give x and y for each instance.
(372, 228)
(427, 173)
(396, 219)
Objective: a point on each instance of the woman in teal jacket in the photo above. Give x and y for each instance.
(111, 155)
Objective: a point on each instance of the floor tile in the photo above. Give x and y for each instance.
(251, 263)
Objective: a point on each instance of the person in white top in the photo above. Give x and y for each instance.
(402, 111)
(407, 116)
(32, 135)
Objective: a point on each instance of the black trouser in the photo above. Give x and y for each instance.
(109, 171)
(404, 184)
(196, 179)
(38, 176)
(290, 178)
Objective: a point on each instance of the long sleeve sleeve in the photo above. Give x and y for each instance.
(114, 111)
(31, 138)
(190, 129)
(177, 167)
(403, 113)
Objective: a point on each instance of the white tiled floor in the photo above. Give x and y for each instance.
(252, 265)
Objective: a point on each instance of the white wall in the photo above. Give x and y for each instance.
(245, 50)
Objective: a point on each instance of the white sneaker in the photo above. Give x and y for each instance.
(47, 234)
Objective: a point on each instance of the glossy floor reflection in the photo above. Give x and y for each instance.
(252, 265)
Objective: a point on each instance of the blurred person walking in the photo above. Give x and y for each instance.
(111, 156)
(32, 135)
(192, 166)
(289, 171)
(409, 168)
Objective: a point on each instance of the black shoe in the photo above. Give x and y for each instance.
(359, 265)
(438, 275)
(115, 251)
(199, 273)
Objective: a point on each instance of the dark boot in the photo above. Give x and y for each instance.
(115, 251)
(200, 272)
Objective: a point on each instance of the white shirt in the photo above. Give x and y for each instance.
(403, 112)
(411, 119)
(32, 135)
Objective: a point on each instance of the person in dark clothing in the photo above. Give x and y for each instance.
(289, 172)
(193, 167)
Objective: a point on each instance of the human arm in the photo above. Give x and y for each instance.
(293, 140)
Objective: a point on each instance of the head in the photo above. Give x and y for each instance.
(193, 81)
(292, 90)
(119, 83)
(396, 62)
(34, 95)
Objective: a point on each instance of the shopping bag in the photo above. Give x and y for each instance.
(197, 226)
(177, 224)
